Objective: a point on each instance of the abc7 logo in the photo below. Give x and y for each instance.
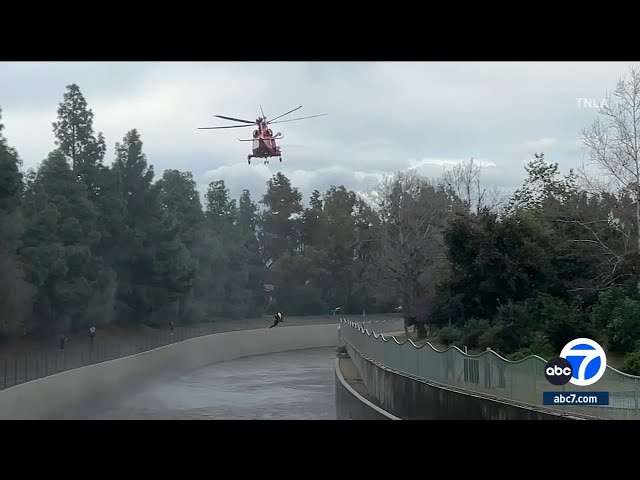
(581, 362)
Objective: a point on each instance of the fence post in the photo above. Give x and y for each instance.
(5, 374)
(15, 372)
(37, 364)
(26, 368)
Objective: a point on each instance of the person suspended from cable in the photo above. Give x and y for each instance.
(278, 319)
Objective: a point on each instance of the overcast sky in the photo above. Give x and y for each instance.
(383, 117)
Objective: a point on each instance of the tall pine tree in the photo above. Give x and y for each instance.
(76, 139)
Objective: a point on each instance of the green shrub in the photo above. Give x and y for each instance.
(490, 338)
(607, 303)
(472, 331)
(623, 329)
(449, 335)
(514, 327)
(545, 351)
(561, 322)
(632, 362)
(619, 313)
(520, 354)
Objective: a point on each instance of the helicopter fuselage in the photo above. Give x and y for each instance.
(264, 143)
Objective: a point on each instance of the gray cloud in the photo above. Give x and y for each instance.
(383, 116)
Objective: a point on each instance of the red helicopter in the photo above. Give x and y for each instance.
(264, 141)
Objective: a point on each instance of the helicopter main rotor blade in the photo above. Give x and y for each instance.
(229, 126)
(290, 111)
(301, 118)
(235, 119)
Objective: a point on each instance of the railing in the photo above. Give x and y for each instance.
(81, 352)
(488, 373)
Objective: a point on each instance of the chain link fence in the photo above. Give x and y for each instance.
(521, 381)
(81, 352)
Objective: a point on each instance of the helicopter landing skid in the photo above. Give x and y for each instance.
(265, 161)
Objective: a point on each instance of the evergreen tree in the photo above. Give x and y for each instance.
(75, 138)
(281, 219)
(16, 295)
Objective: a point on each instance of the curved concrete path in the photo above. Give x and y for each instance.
(279, 386)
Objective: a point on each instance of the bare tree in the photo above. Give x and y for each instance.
(465, 180)
(609, 242)
(412, 212)
(613, 141)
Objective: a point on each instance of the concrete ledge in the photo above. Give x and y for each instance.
(415, 399)
(63, 395)
(350, 405)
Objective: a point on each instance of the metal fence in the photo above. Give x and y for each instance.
(488, 373)
(80, 352)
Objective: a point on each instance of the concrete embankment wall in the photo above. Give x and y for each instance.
(414, 399)
(63, 395)
(350, 405)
